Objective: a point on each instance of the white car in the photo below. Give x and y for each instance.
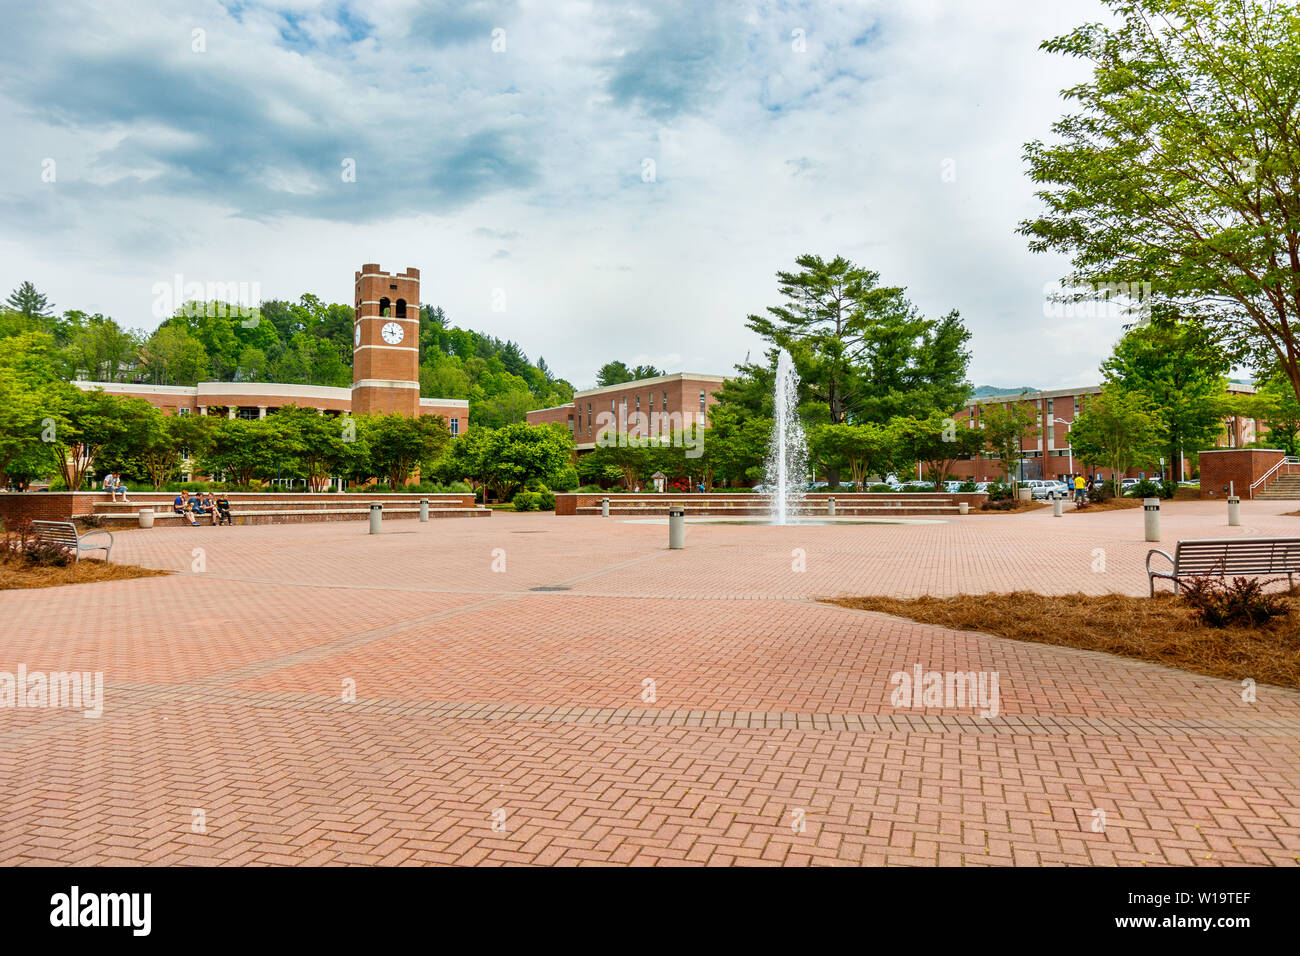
(1040, 488)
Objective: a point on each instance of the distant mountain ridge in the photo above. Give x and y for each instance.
(988, 391)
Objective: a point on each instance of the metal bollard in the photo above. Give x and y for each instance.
(1234, 511)
(676, 528)
(1058, 507)
(424, 509)
(604, 507)
(376, 519)
(1151, 514)
(830, 507)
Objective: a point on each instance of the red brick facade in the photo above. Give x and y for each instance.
(683, 396)
(1236, 469)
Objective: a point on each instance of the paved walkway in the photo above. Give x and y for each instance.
(684, 707)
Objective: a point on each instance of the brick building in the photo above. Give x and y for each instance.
(1049, 453)
(681, 399)
(385, 367)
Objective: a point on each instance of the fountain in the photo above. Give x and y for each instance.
(787, 452)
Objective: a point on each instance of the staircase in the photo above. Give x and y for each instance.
(280, 508)
(1285, 486)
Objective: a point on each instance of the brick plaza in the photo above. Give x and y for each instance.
(496, 724)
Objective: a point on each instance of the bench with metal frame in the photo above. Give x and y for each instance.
(1220, 557)
(66, 534)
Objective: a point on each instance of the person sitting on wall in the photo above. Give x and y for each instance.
(198, 505)
(210, 506)
(223, 510)
(185, 508)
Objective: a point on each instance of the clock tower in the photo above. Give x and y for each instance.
(386, 342)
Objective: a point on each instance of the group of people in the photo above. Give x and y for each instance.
(1079, 484)
(203, 505)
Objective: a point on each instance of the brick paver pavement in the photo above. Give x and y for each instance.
(496, 724)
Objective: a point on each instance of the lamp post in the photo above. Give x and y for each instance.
(1068, 446)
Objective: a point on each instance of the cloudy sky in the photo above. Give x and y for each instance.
(595, 180)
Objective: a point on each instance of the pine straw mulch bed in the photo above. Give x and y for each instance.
(13, 575)
(1160, 630)
(1112, 504)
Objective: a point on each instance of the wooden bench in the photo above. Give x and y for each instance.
(1221, 557)
(65, 533)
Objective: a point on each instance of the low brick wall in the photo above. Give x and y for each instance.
(1238, 467)
(64, 505)
(48, 505)
(568, 504)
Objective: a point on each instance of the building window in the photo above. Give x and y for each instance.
(384, 308)
(589, 419)
(455, 426)
(401, 309)
(665, 400)
(638, 404)
(184, 411)
(248, 411)
(1051, 407)
(652, 402)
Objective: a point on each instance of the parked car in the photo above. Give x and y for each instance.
(1043, 488)
(1126, 484)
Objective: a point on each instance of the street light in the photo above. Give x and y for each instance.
(1068, 446)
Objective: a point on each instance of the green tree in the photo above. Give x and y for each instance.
(870, 448)
(245, 449)
(165, 441)
(1181, 368)
(936, 441)
(862, 349)
(1276, 406)
(1118, 430)
(94, 424)
(1181, 167)
(613, 373)
(399, 446)
(174, 356)
(1006, 427)
(30, 303)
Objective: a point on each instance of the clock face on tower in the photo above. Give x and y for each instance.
(392, 333)
(357, 337)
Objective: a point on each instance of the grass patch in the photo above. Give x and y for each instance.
(13, 575)
(1162, 630)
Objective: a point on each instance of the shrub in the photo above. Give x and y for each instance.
(47, 554)
(1242, 603)
(546, 500)
(1146, 488)
(530, 501)
(967, 486)
(882, 489)
(1000, 491)
(1001, 504)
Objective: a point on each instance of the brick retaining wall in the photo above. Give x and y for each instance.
(568, 504)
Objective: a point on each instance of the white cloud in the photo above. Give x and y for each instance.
(523, 170)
